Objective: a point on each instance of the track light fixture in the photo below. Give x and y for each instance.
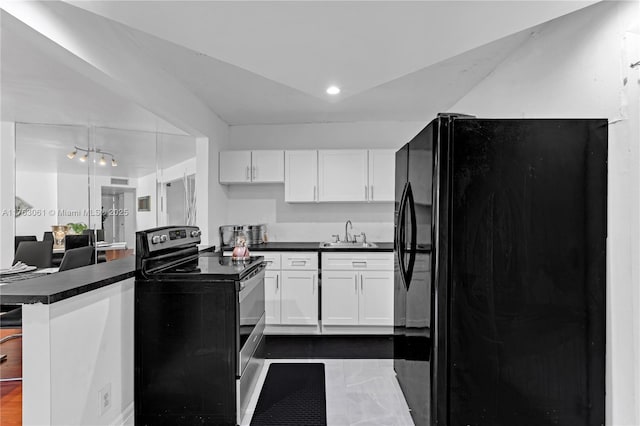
(96, 151)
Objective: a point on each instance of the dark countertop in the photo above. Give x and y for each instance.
(313, 246)
(53, 288)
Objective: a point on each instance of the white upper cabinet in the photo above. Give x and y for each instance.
(381, 174)
(267, 166)
(309, 176)
(234, 167)
(301, 176)
(342, 175)
(261, 166)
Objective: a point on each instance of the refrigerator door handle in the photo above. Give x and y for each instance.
(400, 232)
(413, 240)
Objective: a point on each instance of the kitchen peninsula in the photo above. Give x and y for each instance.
(77, 344)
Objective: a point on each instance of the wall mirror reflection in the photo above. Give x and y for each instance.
(87, 180)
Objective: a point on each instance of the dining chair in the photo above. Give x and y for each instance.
(34, 253)
(94, 236)
(48, 235)
(20, 238)
(76, 258)
(75, 241)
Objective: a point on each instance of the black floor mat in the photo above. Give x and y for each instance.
(293, 394)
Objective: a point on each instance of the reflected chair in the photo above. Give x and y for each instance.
(94, 236)
(34, 253)
(76, 258)
(21, 238)
(75, 241)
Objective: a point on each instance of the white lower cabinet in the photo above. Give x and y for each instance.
(291, 291)
(272, 296)
(339, 298)
(375, 305)
(299, 298)
(357, 292)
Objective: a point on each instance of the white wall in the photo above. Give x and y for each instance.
(146, 186)
(252, 204)
(74, 348)
(40, 190)
(7, 192)
(578, 66)
(73, 198)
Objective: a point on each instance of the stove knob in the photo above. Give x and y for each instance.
(195, 234)
(155, 239)
(163, 238)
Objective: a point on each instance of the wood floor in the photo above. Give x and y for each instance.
(11, 392)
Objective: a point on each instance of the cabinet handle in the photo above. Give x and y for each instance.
(361, 284)
(359, 262)
(314, 193)
(355, 280)
(277, 282)
(253, 172)
(248, 177)
(313, 286)
(371, 198)
(366, 192)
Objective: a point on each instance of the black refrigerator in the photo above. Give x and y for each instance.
(500, 237)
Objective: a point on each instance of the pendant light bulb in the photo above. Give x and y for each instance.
(114, 163)
(103, 161)
(72, 154)
(84, 157)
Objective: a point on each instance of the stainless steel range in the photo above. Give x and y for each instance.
(199, 321)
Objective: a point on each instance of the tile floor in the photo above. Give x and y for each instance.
(359, 392)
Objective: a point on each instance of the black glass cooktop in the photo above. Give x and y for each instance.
(213, 266)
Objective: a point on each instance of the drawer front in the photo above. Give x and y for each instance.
(359, 261)
(271, 258)
(293, 261)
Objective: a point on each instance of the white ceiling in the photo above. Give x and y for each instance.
(269, 62)
(44, 148)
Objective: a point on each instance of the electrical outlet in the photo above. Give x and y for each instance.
(104, 399)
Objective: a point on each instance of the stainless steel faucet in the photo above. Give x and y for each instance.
(346, 232)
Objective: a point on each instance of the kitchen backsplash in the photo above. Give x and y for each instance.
(376, 232)
(255, 204)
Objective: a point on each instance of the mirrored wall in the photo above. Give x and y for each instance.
(111, 181)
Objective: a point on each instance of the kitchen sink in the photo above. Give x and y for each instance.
(346, 244)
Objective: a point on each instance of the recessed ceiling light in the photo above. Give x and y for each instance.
(333, 90)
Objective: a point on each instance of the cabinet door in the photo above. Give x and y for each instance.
(340, 297)
(376, 298)
(299, 298)
(272, 297)
(267, 166)
(381, 174)
(234, 167)
(301, 176)
(342, 175)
